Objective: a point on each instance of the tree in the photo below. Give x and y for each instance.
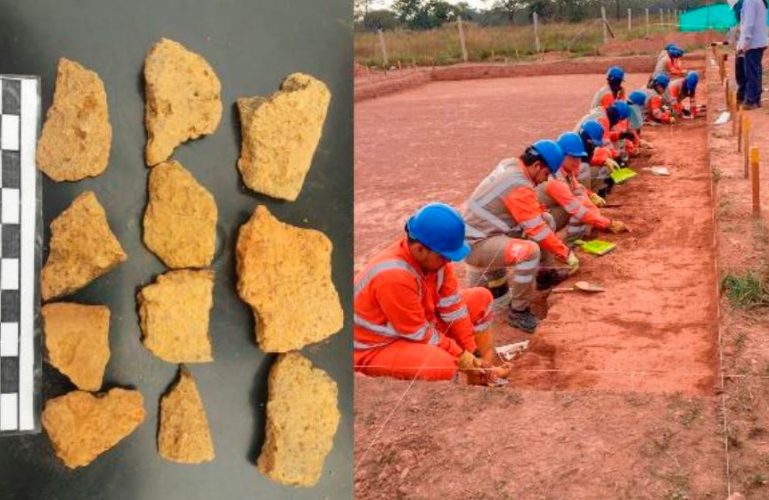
(510, 7)
(360, 9)
(380, 19)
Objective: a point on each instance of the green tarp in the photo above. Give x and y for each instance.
(711, 17)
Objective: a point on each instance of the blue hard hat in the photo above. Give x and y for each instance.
(692, 78)
(672, 49)
(637, 97)
(550, 152)
(615, 74)
(670, 46)
(571, 145)
(440, 228)
(676, 52)
(661, 79)
(622, 109)
(594, 131)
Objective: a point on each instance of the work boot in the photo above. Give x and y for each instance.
(548, 278)
(522, 320)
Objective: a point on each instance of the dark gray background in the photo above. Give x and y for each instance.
(252, 45)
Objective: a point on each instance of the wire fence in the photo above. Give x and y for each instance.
(461, 41)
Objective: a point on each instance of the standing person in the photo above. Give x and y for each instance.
(751, 45)
(739, 66)
(501, 212)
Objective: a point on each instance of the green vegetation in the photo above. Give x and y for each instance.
(747, 290)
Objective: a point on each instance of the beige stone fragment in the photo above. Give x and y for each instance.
(82, 248)
(302, 418)
(284, 273)
(174, 313)
(184, 435)
(280, 134)
(183, 99)
(77, 341)
(77, 135)
(180, 220)
(82, 425)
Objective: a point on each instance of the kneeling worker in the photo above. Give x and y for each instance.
(411, 319)
(567, 200)
(501, 212)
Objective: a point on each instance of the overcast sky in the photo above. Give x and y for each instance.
(382, 4)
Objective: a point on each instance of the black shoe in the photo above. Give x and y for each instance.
(522, 320)
(748, 107)
(548, 278)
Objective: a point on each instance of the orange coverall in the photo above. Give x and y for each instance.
(605, 97)
(565, 191)
(654, 105)
(610, 136)
(676, 93)
(671, 66)
(408, 323)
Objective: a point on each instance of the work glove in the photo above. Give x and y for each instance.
(573, 262)
(597, 200)
(616, 226)
(646, 144)
(611, 164)
(468, 362)
(672, 120)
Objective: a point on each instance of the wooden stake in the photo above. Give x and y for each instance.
(740, 126)
(647, 21)
(603, 16)
(535, 18)
(755, 181)
(629, 20)
(382, 45)
(462, 38)
(746, 146)
(728, 96)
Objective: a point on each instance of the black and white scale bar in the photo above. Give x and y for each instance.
(19, 258)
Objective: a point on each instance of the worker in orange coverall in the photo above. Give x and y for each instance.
(657, 104)
(501, 212)
(411, 319)
(612, 91)
(606, 158)
(681, 95)
(669, 61)
(567, 200)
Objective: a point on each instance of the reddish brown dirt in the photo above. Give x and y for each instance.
(743, 242)
(616, 433)
(650, 44)
(370, 83)
(452, 441)
(653, 328)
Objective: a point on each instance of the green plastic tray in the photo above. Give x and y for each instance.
(623, 174)
(596, 247)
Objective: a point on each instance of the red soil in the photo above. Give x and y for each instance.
(629, 438)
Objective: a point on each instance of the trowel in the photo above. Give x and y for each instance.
(582, 286)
